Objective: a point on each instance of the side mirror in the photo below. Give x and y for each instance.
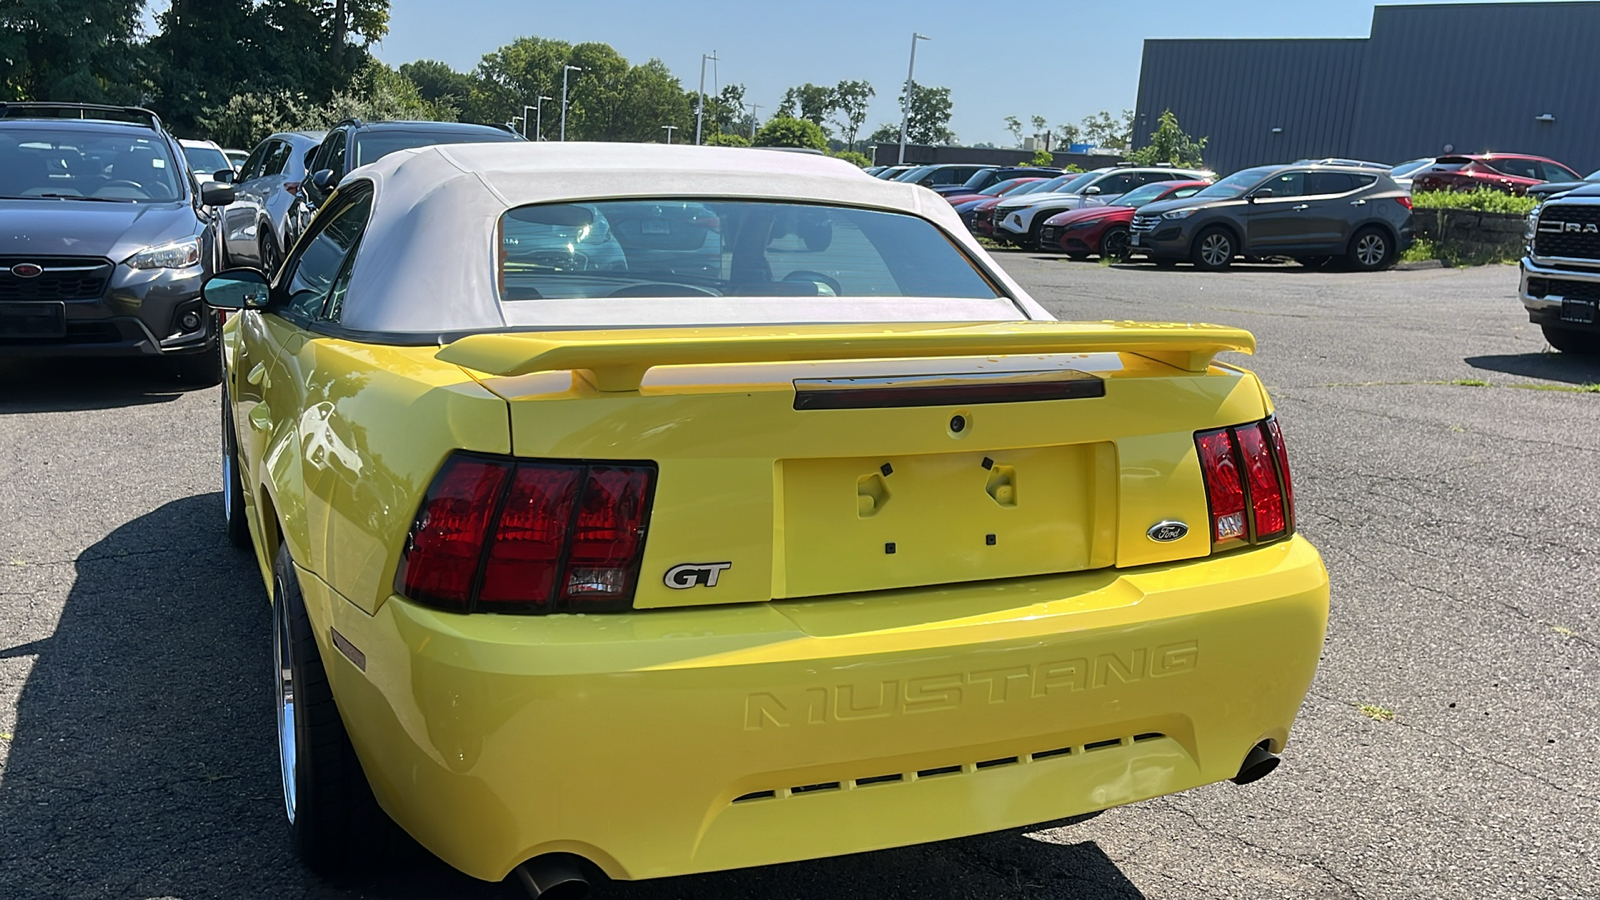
(237, 289)
(222, 176)
(1261, 194)
(325, 180)
(214, 194)
(1091, 190)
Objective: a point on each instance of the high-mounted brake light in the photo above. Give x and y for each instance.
(503, 535)
(1246, 474)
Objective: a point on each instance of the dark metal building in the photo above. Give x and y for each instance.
(1468, 77)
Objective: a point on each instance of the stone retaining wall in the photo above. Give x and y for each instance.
(1469, 235)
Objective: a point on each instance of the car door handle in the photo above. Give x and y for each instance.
(258, 375)
(1358, 203)
(1300, 207)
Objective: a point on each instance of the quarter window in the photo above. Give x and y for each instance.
(277, 158)
(316, 277)
(253, 165)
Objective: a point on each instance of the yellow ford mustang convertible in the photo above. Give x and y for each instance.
(660, 510)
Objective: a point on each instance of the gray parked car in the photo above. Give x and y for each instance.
(106, 236)
(267, 216)
(1312, 213)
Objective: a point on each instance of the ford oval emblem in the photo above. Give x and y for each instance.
(27, 270)
(1168, 531)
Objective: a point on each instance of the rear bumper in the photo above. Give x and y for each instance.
(846, 725)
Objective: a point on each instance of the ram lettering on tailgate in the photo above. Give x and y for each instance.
(930, 693)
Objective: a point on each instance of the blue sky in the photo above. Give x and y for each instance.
(1061, 61)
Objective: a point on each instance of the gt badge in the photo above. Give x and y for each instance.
(686, 575)
(1167, 532)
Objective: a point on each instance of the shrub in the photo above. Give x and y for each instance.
(723, 139)
(1480, 200)
(1042, 158)
(858, 160)
(783, 131)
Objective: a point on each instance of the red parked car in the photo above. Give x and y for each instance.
(983, 213)
(1512, 173)
(1103, 230)
(999, 189)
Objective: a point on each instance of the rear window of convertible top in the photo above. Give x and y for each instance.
(727, 248)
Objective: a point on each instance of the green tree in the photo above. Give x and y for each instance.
(244, 119)
(75, 50)
(850, 99)
(1042, 157)
(811, 102)
(439, 84)
(1170, 144)
(1102, 130)
(1014, 125)
(787, 131)
(516, 75)
(1070, 134)
(206, 51)
(929, 122)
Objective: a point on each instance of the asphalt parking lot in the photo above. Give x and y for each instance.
(1445, 464)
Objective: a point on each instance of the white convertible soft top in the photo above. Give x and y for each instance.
(427, 263)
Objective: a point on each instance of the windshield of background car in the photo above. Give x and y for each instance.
(694, 248)
(913, 174)
(1236, 184)
(1076, 183)
(65, 163)
(1406, 168)
(1139, 196)
(373, 146)
(206, 160)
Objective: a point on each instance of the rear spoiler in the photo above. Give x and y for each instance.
(618, 359)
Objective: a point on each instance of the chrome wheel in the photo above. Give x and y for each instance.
(288, 754)
(1216, 250)
(1371, 250)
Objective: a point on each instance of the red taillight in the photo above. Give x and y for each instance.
(1246, 473)
(504, 535)
(293, 187)
(1220, 468)
(1403, 201)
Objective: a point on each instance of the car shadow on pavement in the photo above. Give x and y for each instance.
(1550, 366)
(68, 385)
(143, 759)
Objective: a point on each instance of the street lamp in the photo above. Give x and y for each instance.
(523, 119)
(669, 129)
(753, 119)
(538, 118)
(564, 73)
(700, 114)
(905, 106)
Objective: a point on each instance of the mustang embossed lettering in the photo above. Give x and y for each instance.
(683, 576)
(929, 693)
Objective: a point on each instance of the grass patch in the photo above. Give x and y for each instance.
(1559, 388)
(1421, 250)
(1375, 712)
(1469, 382)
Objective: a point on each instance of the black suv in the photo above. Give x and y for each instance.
(1310, 212)
(105, 238)
(354, 143)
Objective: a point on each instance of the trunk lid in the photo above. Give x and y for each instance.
(830, 460)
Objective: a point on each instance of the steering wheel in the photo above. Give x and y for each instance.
(122, 182)
(663, 289)
(806, 275)
(555, 259)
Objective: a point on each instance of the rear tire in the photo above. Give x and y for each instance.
(1567, 340)
(334, 821)
(232, 482)
(1114, 244)
(1371, 249)
(1213, 249)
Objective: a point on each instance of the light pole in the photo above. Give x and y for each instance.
(753, 120)
(905, 106)
(669, 129)
(524, 118)
(564, 73)
(700, 114)
(538, 118)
